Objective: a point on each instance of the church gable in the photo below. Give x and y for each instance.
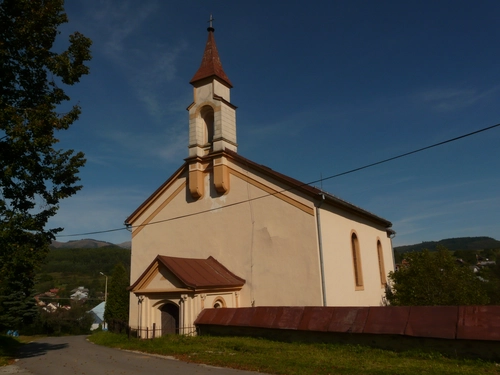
(165, 279)
(159, 199)
(156, 277)
(173, 199)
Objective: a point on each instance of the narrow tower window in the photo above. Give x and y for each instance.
(383, 280)
(356, 259)
(207, 115)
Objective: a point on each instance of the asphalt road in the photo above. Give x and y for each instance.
(76, 355)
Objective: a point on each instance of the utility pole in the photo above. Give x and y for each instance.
(105, 288)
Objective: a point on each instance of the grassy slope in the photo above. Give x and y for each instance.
(8, 349)
(297, 358)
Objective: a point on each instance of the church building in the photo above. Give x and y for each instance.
(224, 231)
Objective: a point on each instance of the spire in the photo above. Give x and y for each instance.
(210, 63)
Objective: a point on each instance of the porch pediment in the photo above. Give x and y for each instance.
(170, 274)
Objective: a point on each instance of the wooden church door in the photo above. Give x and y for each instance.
(169, 319)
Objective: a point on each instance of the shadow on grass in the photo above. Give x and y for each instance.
(8, 347)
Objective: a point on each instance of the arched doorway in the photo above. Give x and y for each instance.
(169, 319)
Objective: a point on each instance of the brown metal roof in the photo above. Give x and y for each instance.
(210, 63)
(305, 188)
(201, 273)
(196, 273)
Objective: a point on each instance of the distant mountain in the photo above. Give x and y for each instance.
(126, 245)
(453, 244)
(87, 244)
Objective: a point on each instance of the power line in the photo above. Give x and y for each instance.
(285, 190)
(409, 153)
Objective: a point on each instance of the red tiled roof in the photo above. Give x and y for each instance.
(210, 63)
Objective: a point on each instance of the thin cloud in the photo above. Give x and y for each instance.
(119, 20)
(104, 209)
(170, 145)
(146, 64)
(449, 99)
(294, 123)
(456, 214)
(149, 81)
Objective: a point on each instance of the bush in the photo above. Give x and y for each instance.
(435, 278)
(75, 321)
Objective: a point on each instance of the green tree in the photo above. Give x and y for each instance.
(34, 175)
(492, 276)
(117, 304)
(435, 278)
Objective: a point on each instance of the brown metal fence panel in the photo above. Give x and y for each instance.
(348, 319)
(479, 323)
(441, 322)
(433, 321)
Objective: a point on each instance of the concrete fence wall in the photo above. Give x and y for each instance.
(472, 331)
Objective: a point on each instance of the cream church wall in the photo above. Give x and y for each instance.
(268, 242)
(148, 313)
(337, 227)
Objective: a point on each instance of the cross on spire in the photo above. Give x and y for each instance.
(210, 21)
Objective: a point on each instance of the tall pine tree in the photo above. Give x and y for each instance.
(117, 305)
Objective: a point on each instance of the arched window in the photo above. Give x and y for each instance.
(219, 303)
(356, 260)
(381, 267)
(207, 115)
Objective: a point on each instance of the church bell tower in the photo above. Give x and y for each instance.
(212, 122)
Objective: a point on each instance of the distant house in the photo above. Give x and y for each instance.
(79, 293)
(51, 307)
(98, 315)
(486, 263)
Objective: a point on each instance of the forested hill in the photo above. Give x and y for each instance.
(87, 244)
(67, 268)
(453, 244)
(87, 262)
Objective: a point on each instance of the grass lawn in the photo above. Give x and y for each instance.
(275, 357)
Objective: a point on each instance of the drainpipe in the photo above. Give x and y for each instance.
(320, 247)
(139, 315)
(391, 234)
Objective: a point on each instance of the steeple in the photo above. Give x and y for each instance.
(212, 122)
(210, 63)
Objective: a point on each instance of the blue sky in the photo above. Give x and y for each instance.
(321, 88)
